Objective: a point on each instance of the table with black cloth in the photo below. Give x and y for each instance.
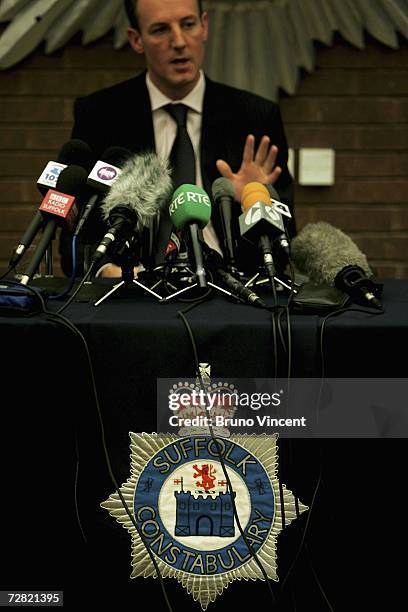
(54, 470)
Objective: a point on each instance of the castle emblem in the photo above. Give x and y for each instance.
(204, 515)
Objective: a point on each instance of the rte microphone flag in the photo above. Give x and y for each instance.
(191, 207)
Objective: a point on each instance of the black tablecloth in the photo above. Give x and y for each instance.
(49, 419)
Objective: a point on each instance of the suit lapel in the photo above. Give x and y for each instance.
(137, 122)
(212, 134)
(214, 141)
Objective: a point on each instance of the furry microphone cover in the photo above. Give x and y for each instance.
(320, 251)
(144, 185)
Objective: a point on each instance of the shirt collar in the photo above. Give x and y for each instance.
(193, 100)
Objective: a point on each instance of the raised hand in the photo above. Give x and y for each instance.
(259, 167)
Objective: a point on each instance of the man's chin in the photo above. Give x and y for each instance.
(177, 84)
(185, 76)
(185, 80)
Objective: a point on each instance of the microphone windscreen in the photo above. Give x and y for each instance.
(76, 152)
(190, 204)
(320, 251)
(144, 185)
(252, 193)
(72, 180)
(116, 155)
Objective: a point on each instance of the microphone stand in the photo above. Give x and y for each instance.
(190, 277)
(257, 280)
(49, 269)
(269, 272)
(190, 287)
(128, 259)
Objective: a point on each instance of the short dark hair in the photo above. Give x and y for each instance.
(130, 7)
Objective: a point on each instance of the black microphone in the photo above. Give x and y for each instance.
(281, 242)
(216, 263)
(58, 207)
(139, 193)
(72, 152)
(172, 253)
(353, 281)
(327, 255)
(104, 173)
(224, 196)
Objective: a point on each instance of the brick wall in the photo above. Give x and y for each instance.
(355, 102)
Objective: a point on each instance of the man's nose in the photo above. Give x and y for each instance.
(177, 38)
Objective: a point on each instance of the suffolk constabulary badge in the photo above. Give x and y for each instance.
(184, 497)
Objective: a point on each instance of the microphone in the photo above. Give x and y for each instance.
(327, 255)
(101, 178)
(172, 253)
(281, 241)
(135, 198)
(260, 222)
(74, 151)
(190, 206)
(224, 196)
(216, 263)
(58, 207)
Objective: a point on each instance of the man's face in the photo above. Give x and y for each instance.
(171, 36)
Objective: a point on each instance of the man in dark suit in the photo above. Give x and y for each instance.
(224, 124)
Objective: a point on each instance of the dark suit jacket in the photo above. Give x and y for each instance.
(121, 116)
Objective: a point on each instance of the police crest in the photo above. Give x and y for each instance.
(184, 509)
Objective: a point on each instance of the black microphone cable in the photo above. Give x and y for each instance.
(323, 327)
(58, 318)
(319, 584)
(275, 341)
(11, 268)
(286, 310)
(303, 540)
(277, 309)
(335, 313)
(253, 554)
(281, 310)
(76, 491)
(78, 289)
(71, 280)
(37, 293)
(287, 347)
(303, 543)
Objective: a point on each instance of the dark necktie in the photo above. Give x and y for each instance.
(182, 156)
(182, 161)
